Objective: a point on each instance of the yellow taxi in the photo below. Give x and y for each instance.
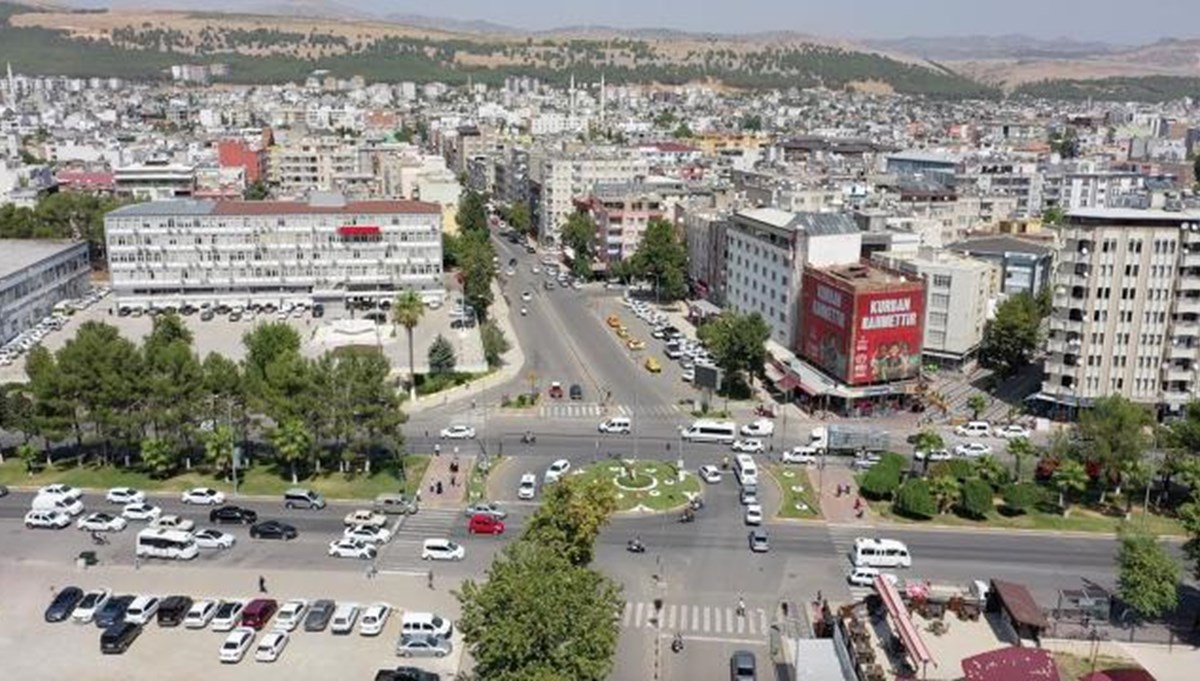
(623, 332)
(652, 365)
(613, 320)
(636, 344)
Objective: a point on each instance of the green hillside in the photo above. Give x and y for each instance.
(1141, 89)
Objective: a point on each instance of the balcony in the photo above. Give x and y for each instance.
(1187, 305)
(1188, 282)
(1177, 373)
(1186, 329)
(1191, 259)
(1183, 352)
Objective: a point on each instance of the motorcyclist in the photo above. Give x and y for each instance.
(677, 642)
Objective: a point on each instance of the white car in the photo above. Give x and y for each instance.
(85, 611)
(374, 618)
(759, 428)
(101, 522)
(458, 432)
(60, 491)
(710, 474)
(352, 548)
(291, 614)
(203, 495)
(442, 549)
(972, 449)
(974, 429)
(142, 609)
(200, 614)
(236, 644)
(619, 425)
(344, 618)
(54, 520)
(526, 296)
(748, 446)
(1011, 431)
(125, 495)
(210, 538)
(804, 455)
(528, 487)
(556, 470)
(173, 522)
(365, 517)
(140, 510)
(865, 576)
(271, 646)
(372, 534)
(754, 514)
(228, 615)
(935, 455)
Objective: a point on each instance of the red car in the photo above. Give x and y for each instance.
(258, 612)
(482, 523)
(556, 391)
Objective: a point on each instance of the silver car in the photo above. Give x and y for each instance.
(423, 646)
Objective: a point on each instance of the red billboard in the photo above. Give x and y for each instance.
(888, 335)
(826, 318)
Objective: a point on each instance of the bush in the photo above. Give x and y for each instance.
(976, 499)
(1022, 497)
(914, 500)
(494, 343)
(435, 383)
(880, 482)
(959, 469)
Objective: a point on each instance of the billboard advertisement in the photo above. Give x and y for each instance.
(827, 317)
(888, 333)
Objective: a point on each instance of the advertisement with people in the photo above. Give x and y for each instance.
(826, 333)
(888, 336)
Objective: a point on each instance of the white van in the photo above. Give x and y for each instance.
(745, 469)
(616, 424)
(706, 430)
(425, 624)
(47, 502)
(974, 429)
(886, 553)
(157, 542)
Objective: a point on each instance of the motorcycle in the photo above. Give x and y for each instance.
(688, 516)
(528, 439)
(677, 643)
(765, 412)
(99, 539)
(635, 546)
(696, 504)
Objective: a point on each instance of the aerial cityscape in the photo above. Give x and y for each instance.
(525, 342)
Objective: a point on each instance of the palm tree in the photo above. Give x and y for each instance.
(218, 448)
(1070, 477)
(977, 403)
(407, 311)
(944, 489)
(1020, 449)
(990, 470)
(292, 442)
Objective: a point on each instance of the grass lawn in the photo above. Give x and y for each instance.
(655, 486)
(788, 478)
(264, 480)
(1072, 666)
(1081, 519)
(477, 482)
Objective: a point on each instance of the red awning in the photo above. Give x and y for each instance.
(358, 230)
(909, 635)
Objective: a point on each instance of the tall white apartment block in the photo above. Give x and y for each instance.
(565, 178)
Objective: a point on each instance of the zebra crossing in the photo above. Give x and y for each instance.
(695, 619)
(842, 537)
(592, 410)
(403, 552)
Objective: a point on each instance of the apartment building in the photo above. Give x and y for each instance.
(35, 275)
(621, 213)
(1126, 308)
(1025, 266)
(326, 250)
(767, 250)
(704, 235)
(155, 181)
(958, 296)
(325, 164)
(564, 178)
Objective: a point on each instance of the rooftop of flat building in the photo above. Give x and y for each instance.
(321, 204)
(867, 277)
(815, 224)
(17, 254)
(999, 244)
(1135, 214)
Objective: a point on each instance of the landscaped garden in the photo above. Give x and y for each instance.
(645, 485)
(799, 499)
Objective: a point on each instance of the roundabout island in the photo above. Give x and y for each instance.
(645, 486)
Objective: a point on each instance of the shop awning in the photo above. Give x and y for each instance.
(1019, 604)
(789, 383)
(917, 650)
(774, 375)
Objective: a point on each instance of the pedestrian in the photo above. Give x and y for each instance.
(426, 433)
(137, 562)
(438, 485)
(262, 584)
(429, 578)
(372, 570)
(820, 597)
(432, 487)
(741, 607)
(452, 480)
(437, 449)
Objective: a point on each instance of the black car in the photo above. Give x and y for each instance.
(319, 614)
(172, 610)
(576, 391)
(117, 638)
(60, 608)
(273, 529)
(405, 674)
(232, 514)
(113, 611)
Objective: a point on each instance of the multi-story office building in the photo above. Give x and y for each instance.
(34, 276)
(326, 251)
(1126, 308)
(958, 294)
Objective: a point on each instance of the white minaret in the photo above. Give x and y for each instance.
(603, 98)
(571, 95)
(12, 85)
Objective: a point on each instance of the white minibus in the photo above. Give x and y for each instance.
(706, 430)
(746, 471)
(156, 542)
(880, 553)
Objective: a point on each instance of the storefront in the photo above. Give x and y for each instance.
(795, 380)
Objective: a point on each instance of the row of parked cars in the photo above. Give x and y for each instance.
(122, 619)
(11, 351)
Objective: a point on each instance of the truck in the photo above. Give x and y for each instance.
(839, 439)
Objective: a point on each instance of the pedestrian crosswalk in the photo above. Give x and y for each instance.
(403, 552)
(842, 537)
(567, 410)
(695, 619)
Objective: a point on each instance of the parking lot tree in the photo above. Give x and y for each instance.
(572, 513)
(222, 389)
(540, 616)
(662, 258)
(580, 235)
(976, 500)
(880, 481)
(441, 356)
(989, 469)
(1021, 450)
(738, 345)
(945, 491)
(1012, 337)
(103, 378)
(1114, 434)
(173, 381)
(1070, 479)
(265, 343)
(1022, 497)
(494, 343)
(407, 311)
(293, 445)
(1147, 575)
(53, 411)
(159, 457)
(929, 440)
(914, 499)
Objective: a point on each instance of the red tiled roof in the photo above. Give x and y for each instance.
(79, 177)
(302, 207)
(1008, 664)
(672, 147)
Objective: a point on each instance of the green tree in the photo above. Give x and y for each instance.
(1021, 450)
(976, 403)
(494, 343)
(665, 120)
(518, 218)
(662, 258)
(1147, 575)
(881, 480)
(752, 123)
(1021, 497)
(477, 268)
(256, 191)
(945, 490)
(218, 449)
(738, 345)
(1114, 434)
(53, 410)
(407, 311)
(683, 131)
(929, 440)
(221, 385)
(293, 444)
(915, 500)
(28, 454)
(1012, 337)
(103, 377)
(570, 518)
(989, 469)
(976, 500)
(472, 213)
(1065, 143)
(540, 616)
(1053, 215)
(264, 344)
(1189, 518)
(159, 457)
(580, 235)
(1070, 478)
(441, 356)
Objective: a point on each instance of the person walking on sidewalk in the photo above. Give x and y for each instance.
(429, 579)
(741, 606)
(262, 584)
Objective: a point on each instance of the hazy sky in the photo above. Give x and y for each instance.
(1119, 21)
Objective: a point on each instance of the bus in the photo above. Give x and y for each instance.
(157, 542)
(706, 430)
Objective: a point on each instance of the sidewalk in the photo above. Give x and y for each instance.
(444, 468)
(512, 360)
(838, 510)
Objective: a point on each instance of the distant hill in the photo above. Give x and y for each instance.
(976, 47)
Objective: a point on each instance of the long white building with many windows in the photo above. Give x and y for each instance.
(325, 250)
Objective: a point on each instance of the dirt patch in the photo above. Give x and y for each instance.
(874, 87)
